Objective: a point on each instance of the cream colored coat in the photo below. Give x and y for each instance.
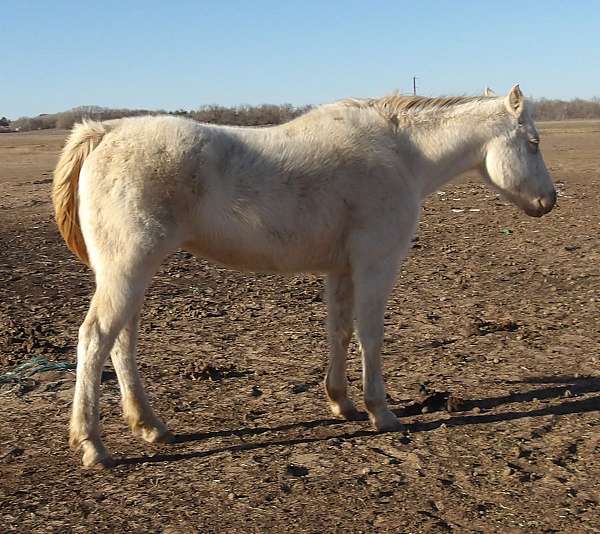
(336, 191)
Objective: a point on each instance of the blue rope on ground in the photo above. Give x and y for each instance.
(33, 366)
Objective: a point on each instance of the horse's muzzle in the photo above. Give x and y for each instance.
(542, 205)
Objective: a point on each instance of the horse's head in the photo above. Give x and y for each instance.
(513, 161)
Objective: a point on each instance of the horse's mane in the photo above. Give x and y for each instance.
(396, 104)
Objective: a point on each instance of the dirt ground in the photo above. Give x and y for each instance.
(492, 359)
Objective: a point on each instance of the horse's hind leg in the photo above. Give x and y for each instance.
(339, 326)
(119, 292)
(110, 309)
(136, 408)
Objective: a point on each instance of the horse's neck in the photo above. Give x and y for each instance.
(450, 147)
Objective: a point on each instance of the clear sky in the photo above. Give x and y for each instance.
(56, 54)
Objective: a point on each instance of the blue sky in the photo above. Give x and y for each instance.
(55, 54)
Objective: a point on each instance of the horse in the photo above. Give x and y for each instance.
(336, 191)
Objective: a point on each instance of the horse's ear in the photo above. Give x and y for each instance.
(515, 101)
(489, 92)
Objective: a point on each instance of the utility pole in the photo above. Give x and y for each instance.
(415, 85)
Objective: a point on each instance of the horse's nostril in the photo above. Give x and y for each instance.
(547, 203)
(551, 199)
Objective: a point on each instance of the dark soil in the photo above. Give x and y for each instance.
(492, 359)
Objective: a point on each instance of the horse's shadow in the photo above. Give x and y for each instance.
(570, 386)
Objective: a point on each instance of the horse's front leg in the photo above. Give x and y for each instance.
(136, 408)
(339, 329)
(374, 271)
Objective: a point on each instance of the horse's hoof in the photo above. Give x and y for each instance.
(387, 422)
(345, 409)
(155, 432)
(353, 415)
(98, 460)
(165, 437)
(157, 435)
(100, 465)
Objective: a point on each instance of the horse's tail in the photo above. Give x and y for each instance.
(84, 138)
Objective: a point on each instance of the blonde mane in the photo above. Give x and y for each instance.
(395, 104)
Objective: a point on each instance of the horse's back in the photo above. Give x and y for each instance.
(275, 199)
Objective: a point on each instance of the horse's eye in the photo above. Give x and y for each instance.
(534, 144)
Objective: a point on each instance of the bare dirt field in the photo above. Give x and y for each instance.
(492, 359)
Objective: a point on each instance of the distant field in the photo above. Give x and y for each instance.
(592, 126)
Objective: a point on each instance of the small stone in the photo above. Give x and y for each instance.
(12, 454)
(508, 471)
(300, 388)
(296, 470)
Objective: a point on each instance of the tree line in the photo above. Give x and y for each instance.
(265, 114)
(560, 110)
(262, 115)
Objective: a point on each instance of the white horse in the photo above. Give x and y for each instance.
(337, 191)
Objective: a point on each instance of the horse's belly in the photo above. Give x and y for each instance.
(287, 257)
